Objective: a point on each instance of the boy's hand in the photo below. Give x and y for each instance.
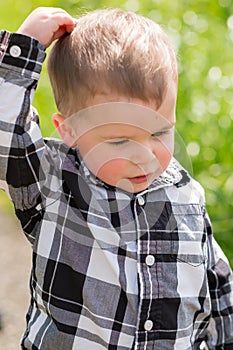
(47, 24)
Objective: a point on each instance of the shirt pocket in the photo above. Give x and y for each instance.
(188, 237)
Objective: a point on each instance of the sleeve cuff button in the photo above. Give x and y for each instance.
(15, 51)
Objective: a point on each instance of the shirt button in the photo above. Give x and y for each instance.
(141, 200)
(150, 260)
(148, 325)
(15, 51)
(93, 180)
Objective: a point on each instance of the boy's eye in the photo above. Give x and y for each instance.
(117, 142)
(161, 133)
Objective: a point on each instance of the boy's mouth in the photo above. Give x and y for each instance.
(140, 179)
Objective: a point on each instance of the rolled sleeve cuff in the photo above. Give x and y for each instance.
(22, 52)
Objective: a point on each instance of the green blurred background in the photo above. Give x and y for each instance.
(202, 35)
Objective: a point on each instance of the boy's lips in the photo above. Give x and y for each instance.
(140, 179)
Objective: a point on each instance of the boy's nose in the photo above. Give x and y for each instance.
(142, 154)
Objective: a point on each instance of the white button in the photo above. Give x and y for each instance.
(141, 200)
(148, 325)
(93, 180)
(150, 260)
(15, 51)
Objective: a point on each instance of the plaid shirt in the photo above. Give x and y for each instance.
(111, 270)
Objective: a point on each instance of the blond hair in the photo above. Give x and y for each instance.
(123, 51)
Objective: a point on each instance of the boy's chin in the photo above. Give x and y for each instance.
(128, 186)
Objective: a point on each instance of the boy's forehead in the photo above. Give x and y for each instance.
(123, 113)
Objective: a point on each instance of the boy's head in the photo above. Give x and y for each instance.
(111, 51)
(116, 74)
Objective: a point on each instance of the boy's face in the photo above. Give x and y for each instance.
(125, 142)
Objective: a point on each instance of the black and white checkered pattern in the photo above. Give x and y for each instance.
(111, 270)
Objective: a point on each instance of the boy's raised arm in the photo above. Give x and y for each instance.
(21, 59)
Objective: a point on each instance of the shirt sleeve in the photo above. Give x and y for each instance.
(220, 329)
(21, 143)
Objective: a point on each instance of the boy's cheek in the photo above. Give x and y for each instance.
(116, 173)
(98, 158)
(112, 168)
(164, 158)
(164, 153)
(109, 170)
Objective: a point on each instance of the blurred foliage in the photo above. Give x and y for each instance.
(202, 34)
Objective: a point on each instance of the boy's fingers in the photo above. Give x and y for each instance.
(64, 22)
(70, 28)
(47, 24)
(67, 23)
(64, 28)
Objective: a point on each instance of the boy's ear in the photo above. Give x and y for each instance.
(64, 130)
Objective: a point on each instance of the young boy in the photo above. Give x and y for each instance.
(123, 253)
